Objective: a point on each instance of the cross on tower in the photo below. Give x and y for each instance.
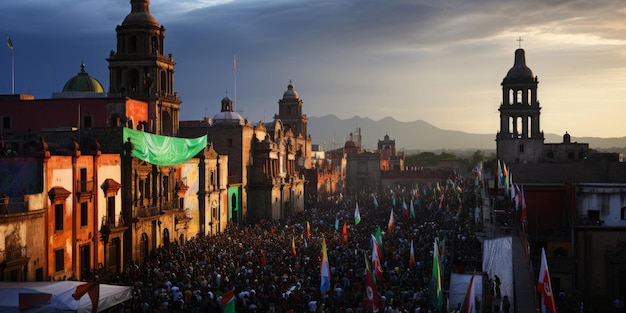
(520, 41)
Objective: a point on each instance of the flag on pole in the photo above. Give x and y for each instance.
(412, 209)
(405, 209)
(377, 259)
(371, 301)
(357, 215)
(307, 231)
(379, 237)
(9, 42)
(469, 302)
(344, 234)
(336, 223)
(228, 301)
(324, 270)
(545, 286)
(500, 176)
(436, 291)
(263, 259)
(523, 203)
(293, 246)
(392, 222)
(235, 63)
(375, 201)
(412, 263)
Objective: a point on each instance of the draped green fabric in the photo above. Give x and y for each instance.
(163, 150)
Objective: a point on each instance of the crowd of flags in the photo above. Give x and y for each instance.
(512, 191)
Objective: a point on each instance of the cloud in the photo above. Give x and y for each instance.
(438, 61)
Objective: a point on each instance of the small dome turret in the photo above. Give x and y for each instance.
(519, 72)
(140, 14)
(290, 93)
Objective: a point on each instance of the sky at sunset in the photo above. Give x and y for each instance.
(437, 61)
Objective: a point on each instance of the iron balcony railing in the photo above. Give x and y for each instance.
(13, 205)
(13, 254)
(84, 186)
(113, 221)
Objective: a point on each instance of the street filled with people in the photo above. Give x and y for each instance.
(274, 266)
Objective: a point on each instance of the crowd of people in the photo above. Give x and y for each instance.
(257, 261)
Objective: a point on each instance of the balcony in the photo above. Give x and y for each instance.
(146, 211)
(84, 189)
(13, 255)
(113, 221)
(13, 205)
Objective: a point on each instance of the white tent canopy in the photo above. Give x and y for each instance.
(62, 300)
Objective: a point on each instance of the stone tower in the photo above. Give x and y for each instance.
(520, 139)
(290, 113)
(141, 70)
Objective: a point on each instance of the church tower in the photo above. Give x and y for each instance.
(141, 70)
(290, 112)
(520, 139)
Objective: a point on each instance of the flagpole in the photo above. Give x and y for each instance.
(12, 71)
(235, 71)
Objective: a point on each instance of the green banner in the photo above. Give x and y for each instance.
(163, 150)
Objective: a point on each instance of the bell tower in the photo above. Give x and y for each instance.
(139, 69)
(520, 139)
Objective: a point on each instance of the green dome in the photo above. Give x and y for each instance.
(82, 82)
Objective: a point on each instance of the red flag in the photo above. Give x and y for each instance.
(344, 234)
(228, 301)
(544, 285)
(371, 301)
(93, 290)
(293, 246)
(469, 303)
(307, 231)
(377, 255)
(263, 260)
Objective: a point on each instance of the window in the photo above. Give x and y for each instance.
(58, 216)
(521, 148)
(111, 210)
(623, 217)
(84, 214)
(230, 142)
(59, 260)
(87, 121)
(6, 123)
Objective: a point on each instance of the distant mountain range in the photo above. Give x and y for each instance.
(419, 135)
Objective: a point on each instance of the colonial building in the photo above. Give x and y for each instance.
(574, 196)
(266, 162)
(89, 164)
(390, 160)
(53, 209)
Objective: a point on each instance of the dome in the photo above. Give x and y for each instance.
(82, 82)
(290, 93)
(351, 144)
(519, 71)
(140, 14)
(227, 117)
